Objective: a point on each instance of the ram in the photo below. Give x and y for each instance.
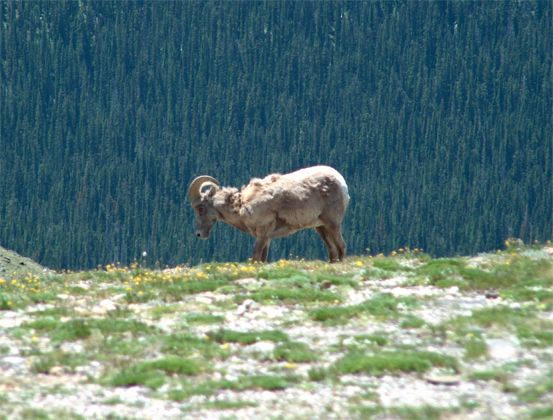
(276, 206)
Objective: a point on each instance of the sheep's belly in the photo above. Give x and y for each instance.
(286, 227)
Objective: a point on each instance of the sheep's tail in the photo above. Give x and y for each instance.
(344, 187)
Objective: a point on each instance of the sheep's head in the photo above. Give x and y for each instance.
(200, 193)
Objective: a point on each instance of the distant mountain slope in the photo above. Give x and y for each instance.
(14, 265)
(438, 115)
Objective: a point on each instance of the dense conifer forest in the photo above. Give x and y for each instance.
(439, 115)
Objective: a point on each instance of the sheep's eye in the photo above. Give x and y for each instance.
(201, 210)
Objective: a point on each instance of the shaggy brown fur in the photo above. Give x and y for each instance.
(276, 206)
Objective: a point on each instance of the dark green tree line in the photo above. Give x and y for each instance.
(438, 114)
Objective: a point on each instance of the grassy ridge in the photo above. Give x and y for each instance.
(220, 330)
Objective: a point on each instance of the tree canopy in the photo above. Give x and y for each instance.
(437, 113)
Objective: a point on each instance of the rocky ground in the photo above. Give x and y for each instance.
(14, 265)
(400, 336)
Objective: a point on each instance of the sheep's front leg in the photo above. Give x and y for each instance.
(260, 249)
(326, 237)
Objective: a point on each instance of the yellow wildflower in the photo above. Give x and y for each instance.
(247, 269)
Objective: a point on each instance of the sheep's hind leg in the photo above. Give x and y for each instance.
(265, 252)
(325, 236)
(336, 235)
(261, 246)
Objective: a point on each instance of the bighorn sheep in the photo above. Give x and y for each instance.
(276, 206)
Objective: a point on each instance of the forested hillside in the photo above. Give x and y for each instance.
(439, 115)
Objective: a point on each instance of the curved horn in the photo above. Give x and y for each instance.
(195, 186)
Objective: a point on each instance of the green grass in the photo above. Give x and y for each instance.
(362, 411)
(475, 348)
(279, 273)
(228, 405)
(266, 382)
(41, 414)
(530, 294)
(68, 361)
(489, 375)
(17, 299)
(250, 337)
(203, 318)
(389, 264)
(157, 312)
(412, 322)
(184, 345)
(500, 316)
(382, 305)
(113, 401)
(379, 340)
(55, 312)
(542, 412)
(417, 413)
(108, 347)
(294, 352)
(81, 328)
(173, 291)
(334, 313)
(323, 279)
(538, 334)
(173, 364)
(516, 276)
(293, 295)
(318, 374)
(292, 285)
(254, 382)
(532, 331)
(153, 374)
(440, 269)
(134, 376)
(537, 391)
(393, 362)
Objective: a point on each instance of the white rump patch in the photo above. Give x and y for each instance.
(307, 172)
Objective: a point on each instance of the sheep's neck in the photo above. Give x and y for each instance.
(228, 208)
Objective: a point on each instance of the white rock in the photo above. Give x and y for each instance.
(262, 347)
(248, 282)
(56, 370)
(104, 306)
(502, 349)
(247, 306)
(204, 299)
(70, 347)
